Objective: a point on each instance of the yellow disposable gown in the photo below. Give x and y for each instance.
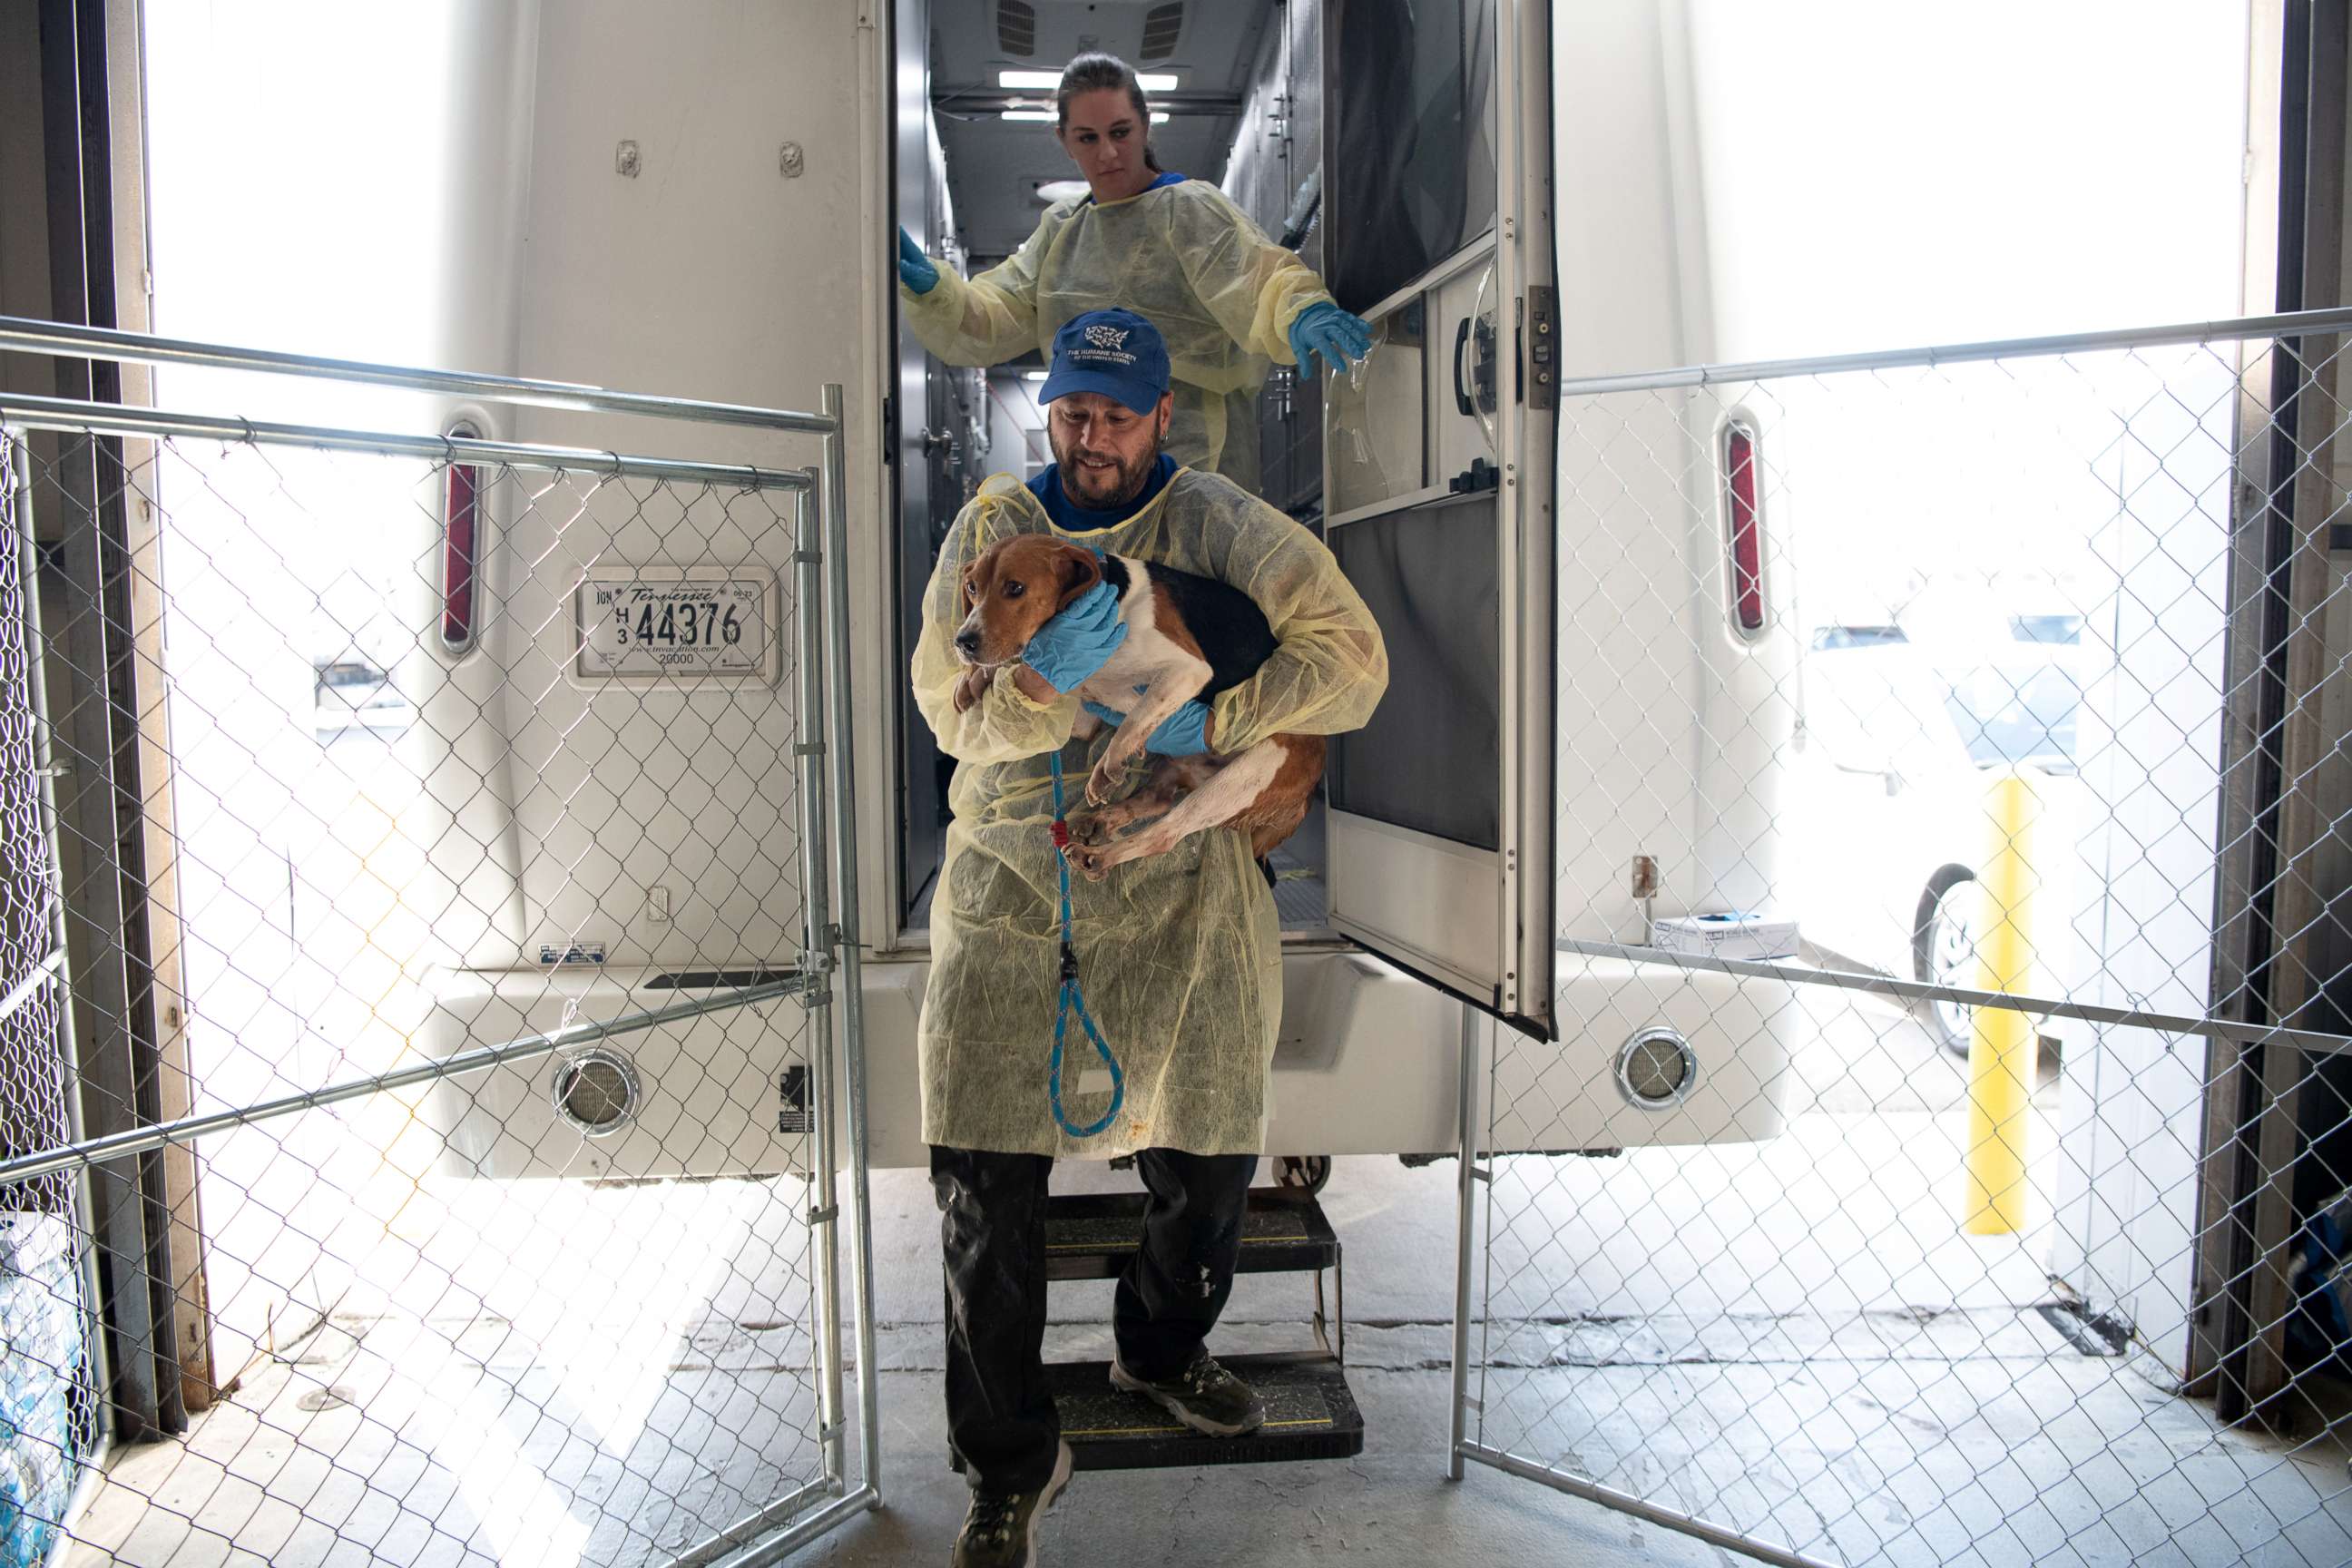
(1179, 955)
(1184, 258)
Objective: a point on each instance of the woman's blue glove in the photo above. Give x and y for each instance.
(1078, 640)
(1184, 733)
(915, 268)
(1324, 328)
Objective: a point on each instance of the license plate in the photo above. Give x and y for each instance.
(664, 623)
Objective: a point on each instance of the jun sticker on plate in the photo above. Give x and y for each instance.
(657, 622)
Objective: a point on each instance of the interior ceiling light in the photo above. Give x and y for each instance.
(1033, 375)
(1150, 81)
(1042, 116)
(1158, 117)
(1053, 191)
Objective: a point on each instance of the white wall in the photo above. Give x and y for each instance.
(1877, 175)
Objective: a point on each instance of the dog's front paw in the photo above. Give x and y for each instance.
(971, 686)
(1104, 781)
(1088, 828)
(1092, 864)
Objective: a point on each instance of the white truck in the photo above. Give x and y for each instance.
(1562, 657)
(1566, 653)
(1442, 877)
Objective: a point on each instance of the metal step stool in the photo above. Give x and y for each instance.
(1311, 1413)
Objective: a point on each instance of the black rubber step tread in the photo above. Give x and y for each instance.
(1090, 1235)
(1310, 1413)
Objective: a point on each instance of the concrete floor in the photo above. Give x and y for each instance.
(1792, 1338)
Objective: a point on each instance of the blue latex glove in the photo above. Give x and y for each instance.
(1184, 733)
(915, 268)
(1324, 328)
(1077, 641)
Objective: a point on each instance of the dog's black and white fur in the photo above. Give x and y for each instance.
(1188, 636)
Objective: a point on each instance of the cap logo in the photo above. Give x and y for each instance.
(1104, 337)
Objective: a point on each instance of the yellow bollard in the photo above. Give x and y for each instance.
(2002, 1056)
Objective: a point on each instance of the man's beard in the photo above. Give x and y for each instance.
(1076, 480)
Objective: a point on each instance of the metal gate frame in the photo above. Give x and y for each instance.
(829, 963)
(2307, 344)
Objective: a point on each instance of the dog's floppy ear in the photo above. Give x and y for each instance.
(1079, 570)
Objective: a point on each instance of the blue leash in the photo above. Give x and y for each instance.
(1072, 997)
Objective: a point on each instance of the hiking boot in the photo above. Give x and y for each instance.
(1204, 1397)
(1000, 1529)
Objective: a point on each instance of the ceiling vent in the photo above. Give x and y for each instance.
(1016, 28)
(1161, 26)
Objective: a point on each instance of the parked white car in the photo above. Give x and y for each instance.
(352, 692)
(1890, 818)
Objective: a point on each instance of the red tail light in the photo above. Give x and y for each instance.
(461, 514)
(1746, 532)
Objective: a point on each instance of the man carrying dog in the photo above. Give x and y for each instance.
(1178, 955)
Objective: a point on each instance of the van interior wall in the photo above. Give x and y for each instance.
(460, 202)
(1018, 444)
(929, 483)
(1272, 171)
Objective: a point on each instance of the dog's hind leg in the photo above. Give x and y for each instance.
(1226, 793)
(1169, 777)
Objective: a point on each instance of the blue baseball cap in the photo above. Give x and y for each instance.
(1115, 353)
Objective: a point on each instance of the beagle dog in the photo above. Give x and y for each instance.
(1187, 637)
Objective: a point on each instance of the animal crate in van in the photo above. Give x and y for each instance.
(667, 624)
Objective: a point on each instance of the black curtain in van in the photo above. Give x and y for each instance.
(1427, 760)
(1409, 153)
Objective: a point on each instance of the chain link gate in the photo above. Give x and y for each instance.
(466, 825)
(1956, 1227)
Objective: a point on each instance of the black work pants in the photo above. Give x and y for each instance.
(1001, 1419)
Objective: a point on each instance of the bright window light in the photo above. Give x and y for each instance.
(1042, 116)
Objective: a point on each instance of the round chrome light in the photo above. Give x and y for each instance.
(1656, 1069)
(596, 1090)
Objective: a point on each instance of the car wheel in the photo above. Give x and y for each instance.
(1943, 952)
(1311, 1172)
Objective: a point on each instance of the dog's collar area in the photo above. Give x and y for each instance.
(1114, 572)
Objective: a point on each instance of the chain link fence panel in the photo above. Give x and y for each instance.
(1902, 1237)
(471, 809)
